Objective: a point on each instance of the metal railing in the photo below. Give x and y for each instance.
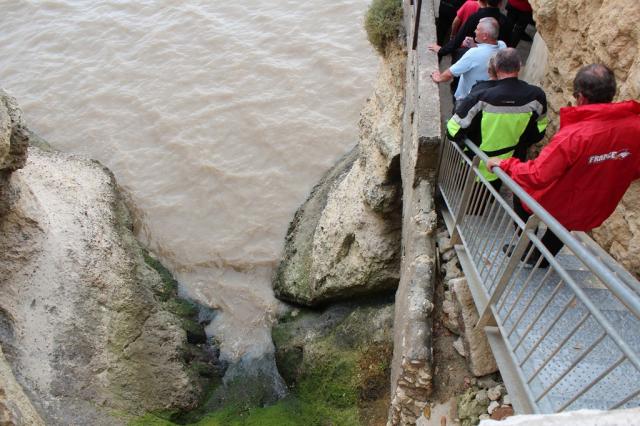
(571, 329)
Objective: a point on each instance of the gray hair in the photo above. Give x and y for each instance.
(490, 26)
(508, 60)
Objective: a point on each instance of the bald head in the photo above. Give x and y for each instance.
(596, 83)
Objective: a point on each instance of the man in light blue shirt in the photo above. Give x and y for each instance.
(473, 65)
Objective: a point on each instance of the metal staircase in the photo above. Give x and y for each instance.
(566, 336)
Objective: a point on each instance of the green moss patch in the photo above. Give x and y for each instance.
(169, 287)
(382, 23)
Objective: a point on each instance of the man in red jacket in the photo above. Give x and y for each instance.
(584, 171)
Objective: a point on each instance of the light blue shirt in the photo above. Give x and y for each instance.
(473, 65)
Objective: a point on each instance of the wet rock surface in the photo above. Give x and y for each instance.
(340, 354)
(87, 324)
(14, 141)
(345, 239)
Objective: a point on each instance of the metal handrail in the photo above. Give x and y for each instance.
(535, 315)
(613, 283)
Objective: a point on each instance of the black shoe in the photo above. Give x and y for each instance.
(507, 249)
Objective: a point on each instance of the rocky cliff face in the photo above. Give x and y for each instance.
(580, 32)
(85, 323)
(345, 239)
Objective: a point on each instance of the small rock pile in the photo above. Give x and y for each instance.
(460, 315)
(485, 399)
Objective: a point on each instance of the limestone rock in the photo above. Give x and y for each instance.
(84, 320)
(451, 271)
(450, 314)
(345, 239)
(495, 393)
(15, 407)
(580, 32)
(444, 242)
(14, 140)
(458, 345)
(492, 406)
(479, 356)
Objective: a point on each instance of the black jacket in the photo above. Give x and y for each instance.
(469, 28)
(502, 117)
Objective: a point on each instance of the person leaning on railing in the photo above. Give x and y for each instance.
(502, 118)
(584, 171)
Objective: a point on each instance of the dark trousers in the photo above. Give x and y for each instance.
(549, 239)
(446, 15)
(518, 21)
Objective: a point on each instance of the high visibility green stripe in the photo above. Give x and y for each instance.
(486, 173)
(499, 131)
(542, 124)
(453, 127)
(502, 130)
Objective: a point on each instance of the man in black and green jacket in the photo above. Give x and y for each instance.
(504, 118)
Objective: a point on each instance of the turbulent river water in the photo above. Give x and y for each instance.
(216, 117)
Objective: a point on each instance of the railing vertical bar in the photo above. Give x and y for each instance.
(471, 205)
(489, 244)
(473, 234)
(445, 170)
(512, 243)
(452, 186)
(582, 356)
(492, 217)
(450, 182)
(527, 306)
(485, 219)
(505, 259)
(593, 382)
(552, 324)
(458, 183)
(560, 346)
(465, 197)
(524, 288)
(480, 214)
(510, 288)
(535, 320)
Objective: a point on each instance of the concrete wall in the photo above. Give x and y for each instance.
(412, 364)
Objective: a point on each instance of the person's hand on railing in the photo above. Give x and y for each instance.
(493, 162)
(434, 48)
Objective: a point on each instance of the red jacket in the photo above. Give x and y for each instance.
(582, 174)
(521, 5)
